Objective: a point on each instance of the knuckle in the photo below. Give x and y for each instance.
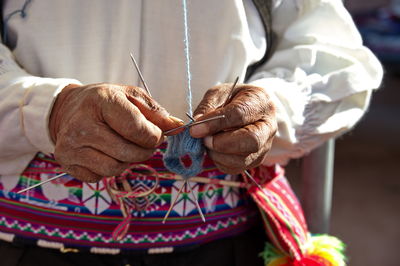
(134, 91)
(82, 174)
(153, 105)
(58, 155)
(150, 141)
(91, 178)
(268, 111)
(236, 162)
(272, 127)
(271, 107)
(251, 144)
(140, 97)
(241, 164)
(205, 107)
(144, 134)
(143, 155)
(112, 168)
(213, 93)
(258, 161)
(213, 98)
(239, 114)
(228, 170)
(227, 164)
(107, 94)
(249, 160)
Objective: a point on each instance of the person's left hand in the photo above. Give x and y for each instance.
(241, 139)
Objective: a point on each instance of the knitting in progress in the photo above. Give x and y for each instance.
(183, 144)
(142, 193)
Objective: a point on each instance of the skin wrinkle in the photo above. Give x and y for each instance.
(91, 143)
(98, 130)
(138, 130)
(242, 139)
(97, 162)
(118, 148)
(253, 144)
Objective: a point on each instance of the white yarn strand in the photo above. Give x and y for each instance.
(187, 55)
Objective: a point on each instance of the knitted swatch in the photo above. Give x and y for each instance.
(182, 145)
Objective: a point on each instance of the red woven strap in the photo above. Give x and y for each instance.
(282, 214)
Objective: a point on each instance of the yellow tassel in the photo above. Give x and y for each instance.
(322, 250)
(329, 248)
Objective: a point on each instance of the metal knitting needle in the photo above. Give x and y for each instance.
(140, 74)
(226, 102)
(190, 124)
(190, 117)
(147, 90)
(252, 179)
(208, 119)
(180, 190)
(41, 183)
(191, 189)
(197, 203)
(231, 91)
(174, 202)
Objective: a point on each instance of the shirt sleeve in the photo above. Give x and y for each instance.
(320, 75)
(25, 104)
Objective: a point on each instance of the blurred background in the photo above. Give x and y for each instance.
(366, 192)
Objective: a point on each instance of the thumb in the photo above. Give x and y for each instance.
(152, 110)
(213, 99)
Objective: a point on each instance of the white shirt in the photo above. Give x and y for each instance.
(320, 75)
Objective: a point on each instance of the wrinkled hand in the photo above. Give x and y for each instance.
(241, 139)
(99, 129)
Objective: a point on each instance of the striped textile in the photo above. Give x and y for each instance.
(282, 215)
(67, 213)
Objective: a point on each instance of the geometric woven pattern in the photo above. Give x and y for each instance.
(85, 215)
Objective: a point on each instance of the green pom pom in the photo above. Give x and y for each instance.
(270, 253)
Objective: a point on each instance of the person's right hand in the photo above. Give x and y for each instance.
(99, 129)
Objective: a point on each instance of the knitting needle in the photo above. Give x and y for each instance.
(185, 183)
(252, 179)
(41, 183)
(191, 189)
(148, 91)
(166, 132)
(173, 203)
(140, 74)
(190, 124)
(190, 117)
(231, 91)
(60, 175)
(208, 119)
(197, 203)
(226, 102)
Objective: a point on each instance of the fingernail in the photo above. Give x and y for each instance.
(208, 142)
(176, 120)
(199, 130)
(197, 116)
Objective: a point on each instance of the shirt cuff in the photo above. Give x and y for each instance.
(36, 106)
